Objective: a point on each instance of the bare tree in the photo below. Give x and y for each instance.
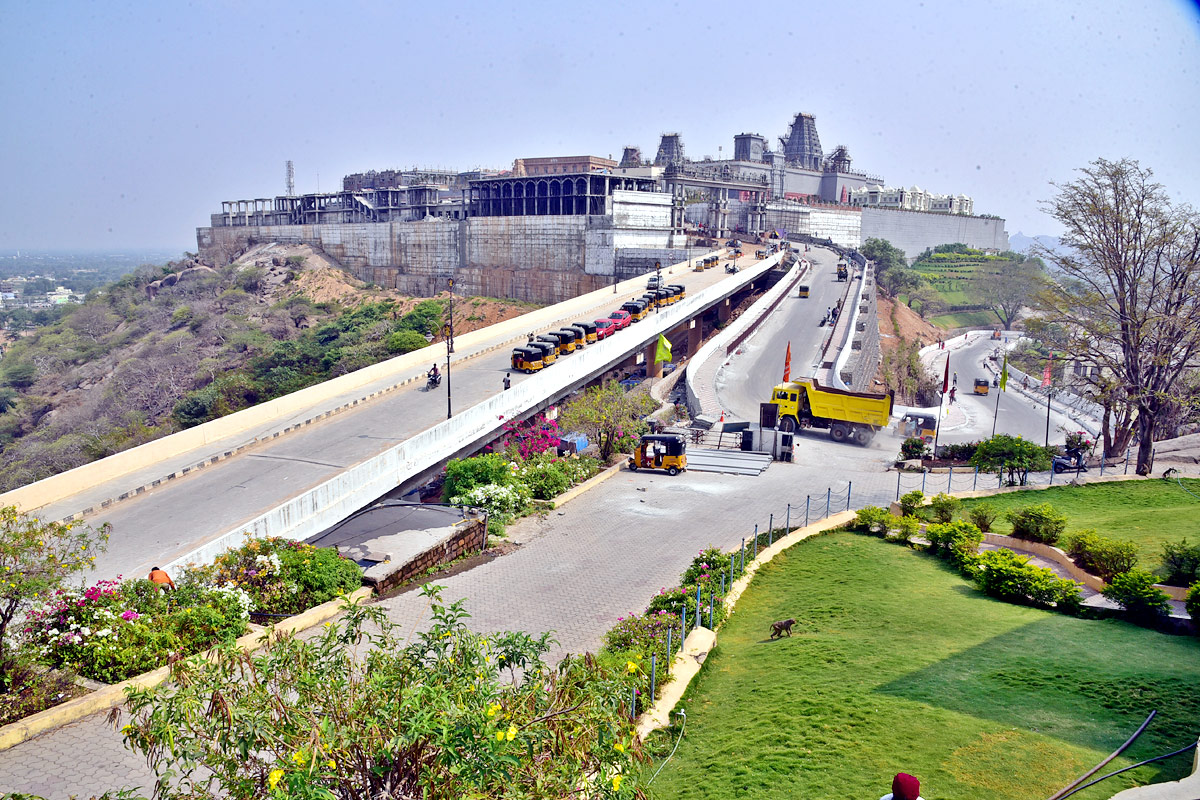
(1010, 289)
(1129, 291)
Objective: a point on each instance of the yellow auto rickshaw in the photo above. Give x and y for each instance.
(919, 426)
(548, 350)
(666, 451)
(803, 290)
(589, 329)
(981, 386)
(558, 342)
(527, 359)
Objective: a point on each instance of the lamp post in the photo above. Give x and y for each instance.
(450, 338)
(657, 282)
(448, 332)
(1049, 394)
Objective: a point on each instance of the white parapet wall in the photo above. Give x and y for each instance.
(316, 509)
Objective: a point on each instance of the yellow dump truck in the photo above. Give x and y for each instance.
(849, 416)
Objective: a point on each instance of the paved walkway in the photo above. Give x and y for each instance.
(578, 569)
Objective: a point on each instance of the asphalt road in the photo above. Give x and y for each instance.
(173, 519)
(1017, 414)
(757, 366)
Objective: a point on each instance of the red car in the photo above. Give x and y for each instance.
(605, 328)
(620, 318)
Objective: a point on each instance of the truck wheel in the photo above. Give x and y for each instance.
(672, 471)
(788, 424)
(862, 436)
(837, 432)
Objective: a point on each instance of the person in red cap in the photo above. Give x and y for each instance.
(904, 787)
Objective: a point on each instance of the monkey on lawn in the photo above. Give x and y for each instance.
(780, 628)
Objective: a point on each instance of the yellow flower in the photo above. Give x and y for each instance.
(273, 778)
(298, 757)
(617, 782)
(499, 736)
(511, 733)
(620, 748)
(331, 764)
(127, 729)
(631, 667)
(492, 709)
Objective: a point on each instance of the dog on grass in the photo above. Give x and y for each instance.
(778, 629)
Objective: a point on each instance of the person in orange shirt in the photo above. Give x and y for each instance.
(161, 579)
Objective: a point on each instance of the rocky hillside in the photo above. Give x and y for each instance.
(173, 346)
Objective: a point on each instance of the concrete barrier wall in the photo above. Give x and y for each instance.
(323, 505)
(58, 487)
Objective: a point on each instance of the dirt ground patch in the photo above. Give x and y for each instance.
(904, 324)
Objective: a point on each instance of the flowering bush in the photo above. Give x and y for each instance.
(282, 576)
(634, 640)
(497, 498)
(115, 630)
(530, 438)
(547, 475)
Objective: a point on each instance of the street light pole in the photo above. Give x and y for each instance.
(1049, 394)
(657, 283)
(449, 333)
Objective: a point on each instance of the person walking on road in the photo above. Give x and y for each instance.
(956, 379)
(507, 381)
(953, 391)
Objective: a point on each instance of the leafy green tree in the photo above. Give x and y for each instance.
(402, 342)
(1129, 285)
(1018, 456)
(607, 414)
(361, 712)
(885, 255)
(425, 318)
(21, 375)
(1009, 289)
(36, 558)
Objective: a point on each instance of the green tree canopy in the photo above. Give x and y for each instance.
(1012, 453)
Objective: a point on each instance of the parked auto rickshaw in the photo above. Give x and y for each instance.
(699, 266)
(679, 289)
(981, 386)
(636, 309)
(549, 350)
(579, 331)
(589, 330)
(556, 341)
(666, 451)
(650, 299)
(527, 359)
(803, 291)
(919, 426)
(568, 337)
(665, 297)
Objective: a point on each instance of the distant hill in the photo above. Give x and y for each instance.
(1020, 243)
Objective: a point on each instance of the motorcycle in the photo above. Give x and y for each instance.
(433, 382)
(730, 268)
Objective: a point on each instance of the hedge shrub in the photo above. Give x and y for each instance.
(982, 515)
(872, 519)
(903, 529)
(1007, 576)
(1037, 523)
(1134, 591)
(1100, 555)
(943, 507)
(957, 542)
(1181, 563)
(909, 503)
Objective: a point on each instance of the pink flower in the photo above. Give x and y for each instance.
(130, 615)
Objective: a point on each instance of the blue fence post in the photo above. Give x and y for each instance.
(670, 650)
(653, 676)
(807, 503)
(924, 473)
(682, 625)
(950, 481)
(1051, 474)
(710, 612)
(633, 703)
(755, 542)
(771, 530)
(787, 526)
(975, 480)
(742, 560)
(828, 497)
(849, 486)
(1126, 460)
(697, 605)
(1102, 465)
(897, 485)
(731, 557)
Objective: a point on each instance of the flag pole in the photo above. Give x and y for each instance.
(941, 399)
(996, 415)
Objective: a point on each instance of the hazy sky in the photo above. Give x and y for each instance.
(126, 124)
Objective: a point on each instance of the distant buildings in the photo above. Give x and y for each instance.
(560, 165)
(913, 198)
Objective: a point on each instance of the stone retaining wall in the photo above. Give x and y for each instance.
(471, 538)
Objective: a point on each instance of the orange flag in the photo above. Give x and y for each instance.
(787, 364)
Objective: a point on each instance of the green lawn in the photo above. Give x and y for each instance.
(899, 665)
(1148, 512)
(965, 319)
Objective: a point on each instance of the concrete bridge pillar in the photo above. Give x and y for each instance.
(695, 329)
(653, 368)
(724, 311)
